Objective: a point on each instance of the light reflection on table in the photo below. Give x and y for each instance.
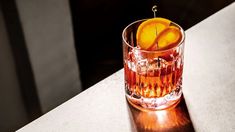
(172, 119)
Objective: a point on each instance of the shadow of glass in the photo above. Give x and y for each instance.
(175, 119)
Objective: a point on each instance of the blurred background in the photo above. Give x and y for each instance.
(51, 50)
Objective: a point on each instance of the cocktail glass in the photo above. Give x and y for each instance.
(153, 79)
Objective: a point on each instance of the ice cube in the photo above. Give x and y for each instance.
(142, 66)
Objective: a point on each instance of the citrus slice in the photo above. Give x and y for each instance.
(148, 30)
(168, 38)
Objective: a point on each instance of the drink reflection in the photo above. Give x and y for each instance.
(173, 119)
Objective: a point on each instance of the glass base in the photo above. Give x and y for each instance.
(169, 100)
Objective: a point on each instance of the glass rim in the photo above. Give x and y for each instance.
(153, 51)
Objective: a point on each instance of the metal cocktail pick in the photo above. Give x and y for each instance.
(154, 9)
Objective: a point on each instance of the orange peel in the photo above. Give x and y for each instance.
(148, 31)
(168, 38)
(157, 34)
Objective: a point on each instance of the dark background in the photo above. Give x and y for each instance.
(98, 25)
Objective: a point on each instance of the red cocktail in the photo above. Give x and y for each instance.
(153, 63)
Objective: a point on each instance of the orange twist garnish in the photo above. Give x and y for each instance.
(157, 34)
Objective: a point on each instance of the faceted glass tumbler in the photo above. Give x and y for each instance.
(153, 79)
